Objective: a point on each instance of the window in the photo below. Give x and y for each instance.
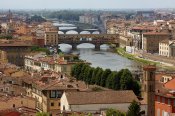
(13, 105)
(169, 102)
(53, 94)
(163, 100)
(21, 102)
(151, 76)
(58, 94)
(158, 98)
(59, 104)
(52, 104)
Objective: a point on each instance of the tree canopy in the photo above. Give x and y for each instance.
(122, 80)
(134, 109)
(112, 112)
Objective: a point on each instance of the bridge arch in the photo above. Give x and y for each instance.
(96, 32)
(71, 32)
(85, 32)
(60, 32)
(85, 45)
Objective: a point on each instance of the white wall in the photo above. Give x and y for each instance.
(95, 107)
(64, 103)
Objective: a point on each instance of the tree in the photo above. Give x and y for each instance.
(39, 49)
(110, 80)
(104, 76)
(82, 75)
(77, 70)
(134, 109)
(89, 75)
(126, 80)
(42, 114)
(136, 87)
(93, 80)
(116, 81)
(112, 112)
(98, 76)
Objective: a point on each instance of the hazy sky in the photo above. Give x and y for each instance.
(87, 4)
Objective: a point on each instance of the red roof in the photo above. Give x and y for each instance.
(155, 33)
(13, 114)
(170, 84)
(149, 68)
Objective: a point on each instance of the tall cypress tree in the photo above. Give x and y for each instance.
(104, 77)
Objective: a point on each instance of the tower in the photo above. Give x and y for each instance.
(148, 88)
(10, 16)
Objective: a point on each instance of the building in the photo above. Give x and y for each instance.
(15, 50)
(61, 63)
(151, 41)
(145, 16)
(89, 19)
(96, 101)
(3, 57)
(12, 102)
(164, 48)
(47, 88)
(165, 99)
(148, 88)
(166, 78)
(115, 26)
(172, 49)
(51, 37)
(125, 41)
(32, 90)
(136, 33)
(22, 30)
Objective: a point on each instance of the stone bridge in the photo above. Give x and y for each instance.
(79, 31)
(96, 39)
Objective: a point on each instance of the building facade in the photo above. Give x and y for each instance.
(164, 49)
(151, 41)
(165, 99)
(148, 88)
(15, 51)
(40, 62)
(89, 102)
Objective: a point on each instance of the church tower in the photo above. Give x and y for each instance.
(10, 16)
(148, 88)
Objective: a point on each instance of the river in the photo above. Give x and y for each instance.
(102, 58)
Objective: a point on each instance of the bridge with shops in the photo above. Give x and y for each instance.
(96, 39)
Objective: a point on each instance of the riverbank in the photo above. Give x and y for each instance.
(122, 52)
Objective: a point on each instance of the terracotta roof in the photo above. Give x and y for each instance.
(170, 84)
(150, 67)
(102, 97)
(15, 43)
(155, 33)
(144, 28)
(9, 113)
(166, 41)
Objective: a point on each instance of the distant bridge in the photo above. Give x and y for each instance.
(79, 31)
(96, 39)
